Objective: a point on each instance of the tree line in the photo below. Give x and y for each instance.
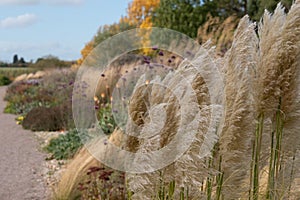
(185, 16)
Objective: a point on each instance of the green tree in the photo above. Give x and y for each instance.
(104, 33)
(15, 59)
(257, 7)
(227, 8)
(22, 61)
(184, 16)
(107, 31)
(50, 61)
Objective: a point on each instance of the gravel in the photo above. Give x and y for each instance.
(22, 165)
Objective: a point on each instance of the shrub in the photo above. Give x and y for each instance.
(64, 146)
(4, 80)
(41, 119)
(49, 119)
(23, 96)
(103, 183)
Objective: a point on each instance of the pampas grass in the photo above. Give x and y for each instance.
(261, 83)
(255, 155)
(180, 103)
(237, 135)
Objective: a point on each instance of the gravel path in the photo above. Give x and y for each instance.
(21, 163)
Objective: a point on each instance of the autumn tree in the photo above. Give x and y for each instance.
(140, 12)
(85, 51)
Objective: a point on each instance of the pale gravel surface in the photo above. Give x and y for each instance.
(21, 165)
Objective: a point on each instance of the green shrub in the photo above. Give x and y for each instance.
(23, 97)
(49, 62)
(106, 119)
(64, 146)
(4, 80)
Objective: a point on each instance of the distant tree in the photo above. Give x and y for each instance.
(227, 8)
(22, 61)
(256, 7)
(15, 59)
(50, 57)
(49, 61)
(107, 31)
(104, 33)
(3, 64)
(85, 52)
(184, 16)
(140, 12)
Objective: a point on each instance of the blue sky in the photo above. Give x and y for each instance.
(36, 28)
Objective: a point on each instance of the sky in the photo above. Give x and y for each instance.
(36, 28)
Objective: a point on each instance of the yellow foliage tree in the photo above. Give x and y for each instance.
(140, 13)
(85, 51)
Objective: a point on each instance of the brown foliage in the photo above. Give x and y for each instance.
(219, 31)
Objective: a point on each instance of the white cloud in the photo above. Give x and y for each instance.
(18, 2)
(34, 2)
(19, 21)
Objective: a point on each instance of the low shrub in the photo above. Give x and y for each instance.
(4, 80)
(41, 119)
(103, 183)
(24, 96)
(64, 146)
(49, 119)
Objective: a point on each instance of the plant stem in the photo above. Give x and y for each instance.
(256, 158)
(277, 154)
(209, 181)
(219, 180)
(271, 180)
(292, 174)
